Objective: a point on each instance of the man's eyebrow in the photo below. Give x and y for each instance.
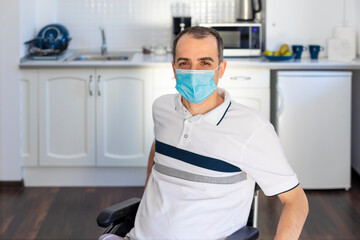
(199, 59)
(182, 58)
(206, 58)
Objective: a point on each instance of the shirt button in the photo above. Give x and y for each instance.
(185, 135)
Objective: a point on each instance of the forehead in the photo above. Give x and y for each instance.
(189, 47)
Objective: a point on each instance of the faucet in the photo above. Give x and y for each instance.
(103, 46)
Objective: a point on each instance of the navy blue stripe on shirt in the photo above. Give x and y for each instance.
(194, 158)
(223, 114)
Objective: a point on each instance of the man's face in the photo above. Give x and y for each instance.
(198, 54)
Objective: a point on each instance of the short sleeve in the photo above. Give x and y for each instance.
(264, 160)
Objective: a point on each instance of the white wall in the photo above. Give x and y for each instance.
(9, 91)
(307, 21)
(28, 21)
(355, 9)
(46, 12)
(1, 84)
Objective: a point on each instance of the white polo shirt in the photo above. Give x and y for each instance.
(206, 166)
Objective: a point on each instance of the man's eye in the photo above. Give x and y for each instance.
(205, 65)
(184, 65)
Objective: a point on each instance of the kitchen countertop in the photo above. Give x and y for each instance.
(150, 60)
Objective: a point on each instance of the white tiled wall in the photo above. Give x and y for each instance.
(130, 24)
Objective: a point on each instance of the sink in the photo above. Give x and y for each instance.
(99, 57)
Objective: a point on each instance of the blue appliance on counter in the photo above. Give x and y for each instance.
(51, 41)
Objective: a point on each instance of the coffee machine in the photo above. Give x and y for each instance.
(180, 23)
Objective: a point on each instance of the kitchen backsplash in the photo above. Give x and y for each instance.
(130, 24)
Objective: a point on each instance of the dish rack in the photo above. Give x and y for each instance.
(50, 53)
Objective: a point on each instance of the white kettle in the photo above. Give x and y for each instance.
(245, 11)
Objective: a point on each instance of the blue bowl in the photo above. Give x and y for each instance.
(279, 58)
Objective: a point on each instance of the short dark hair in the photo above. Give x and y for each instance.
(200, 33)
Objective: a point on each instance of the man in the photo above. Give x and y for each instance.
(208, 153)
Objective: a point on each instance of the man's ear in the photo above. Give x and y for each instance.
(173, 67)
(222, 68)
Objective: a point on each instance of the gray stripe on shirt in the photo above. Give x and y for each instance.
(199, 178)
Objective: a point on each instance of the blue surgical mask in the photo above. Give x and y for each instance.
(195, 85)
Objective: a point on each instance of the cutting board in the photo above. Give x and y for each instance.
(343, 46)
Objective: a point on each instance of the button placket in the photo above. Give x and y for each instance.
(188, 124)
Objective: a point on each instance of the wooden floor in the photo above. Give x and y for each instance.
(70, 213)
(334, 214)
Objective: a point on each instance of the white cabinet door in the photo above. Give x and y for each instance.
(248, 86)
(124, 120)
(164, 81)
(254, 98)
(29, 111)
(66, 117)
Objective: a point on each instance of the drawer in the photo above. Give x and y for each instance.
(245, 77)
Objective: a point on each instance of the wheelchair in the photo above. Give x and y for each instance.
(119, 219)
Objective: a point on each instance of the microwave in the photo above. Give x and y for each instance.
(240, 39)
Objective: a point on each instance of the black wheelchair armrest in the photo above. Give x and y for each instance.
(117, 212)
(245, 233)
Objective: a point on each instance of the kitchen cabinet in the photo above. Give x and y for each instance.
(66, 117)
(250, 87)
(124, 119)
(28, 117)
(91, 117)
(258, 99)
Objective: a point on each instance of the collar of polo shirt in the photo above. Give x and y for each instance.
(215, 115)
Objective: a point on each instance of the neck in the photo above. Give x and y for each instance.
(210, 103)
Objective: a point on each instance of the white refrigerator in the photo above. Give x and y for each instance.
(313, 120)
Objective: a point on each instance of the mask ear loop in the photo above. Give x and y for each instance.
(218, 68)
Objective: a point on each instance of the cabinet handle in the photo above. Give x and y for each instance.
(99, 91)
(240, 78)
(90, 85)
